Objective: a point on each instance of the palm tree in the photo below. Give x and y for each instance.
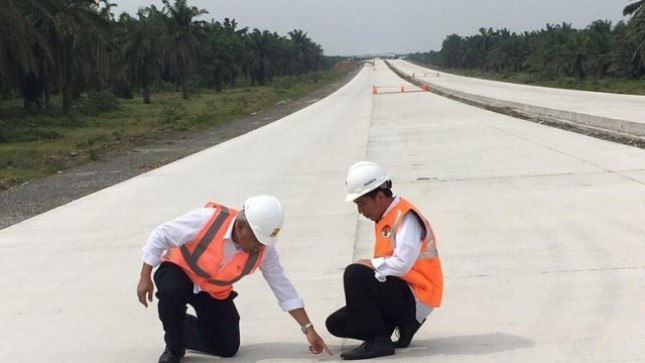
(64, 23)
(623, 63)
(222, 53)
(483, 43)
(500, 53)
(17, 37)
(452, 49)
(233, 51)
(308, 54)
(260, 48)
(97, 48)
(599, 43)
(636, 8)
(22, 50)
(637, 26)
(185, 36)
(143, 47)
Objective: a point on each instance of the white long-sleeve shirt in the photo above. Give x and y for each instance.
(408, 247)
(184, 229)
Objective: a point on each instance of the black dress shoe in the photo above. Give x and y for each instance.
(168, 356)
(406, 332)
(377, 347)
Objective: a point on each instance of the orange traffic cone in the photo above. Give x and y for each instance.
(374, 90)
(402, 89)
(424, 88)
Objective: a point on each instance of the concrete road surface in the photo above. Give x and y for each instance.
(623, 114)
(540, 232)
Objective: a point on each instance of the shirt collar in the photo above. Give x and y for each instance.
(395, 201)
(228, 236)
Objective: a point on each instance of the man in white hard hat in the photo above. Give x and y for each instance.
(200, 255)
(400, 286)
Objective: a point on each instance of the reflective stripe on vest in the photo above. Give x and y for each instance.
(425, 277)
(428, 254)
(250, 263)
(431, 252)
(191, 259)
(202, 259)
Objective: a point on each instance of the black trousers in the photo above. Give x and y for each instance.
(216, 328)
(373, 308)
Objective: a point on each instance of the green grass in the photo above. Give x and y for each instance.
(32, 147)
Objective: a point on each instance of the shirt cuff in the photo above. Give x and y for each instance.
(292, 304)
(378, 262)
(150, 258)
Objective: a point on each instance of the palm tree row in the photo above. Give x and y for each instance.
(68, 47)
(599, 50)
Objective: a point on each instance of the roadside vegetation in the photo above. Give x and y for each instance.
(41, 145)
(77, 81)
(601, 57)
(594, 84)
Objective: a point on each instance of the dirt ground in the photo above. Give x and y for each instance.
(33, 198)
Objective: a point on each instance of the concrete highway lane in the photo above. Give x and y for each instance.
(611, 106)
(540, 233)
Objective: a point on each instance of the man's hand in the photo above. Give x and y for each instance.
(145, 288)
(316, 344)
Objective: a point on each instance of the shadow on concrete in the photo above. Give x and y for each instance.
(465, 345)
(457, 345)
(278, 352)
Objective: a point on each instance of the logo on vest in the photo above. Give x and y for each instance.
(386, 232)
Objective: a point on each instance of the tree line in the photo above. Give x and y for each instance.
(68, 47)
(599, 50)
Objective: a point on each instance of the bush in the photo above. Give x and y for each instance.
(3, 132)
(96, 102)
(283, 83)
(317, 77)
(30, 134)
(123, 91)
(208, 115)
(172, 110)
(72, 121)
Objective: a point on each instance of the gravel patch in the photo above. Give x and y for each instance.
(33, 198)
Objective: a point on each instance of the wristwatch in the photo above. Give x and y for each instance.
(306, 327)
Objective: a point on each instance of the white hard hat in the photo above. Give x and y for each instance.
(265, 217)
(362, 178)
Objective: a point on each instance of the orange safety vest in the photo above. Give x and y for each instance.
(425, 277)
(201, 258)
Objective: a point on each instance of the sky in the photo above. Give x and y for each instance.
(358, 27)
